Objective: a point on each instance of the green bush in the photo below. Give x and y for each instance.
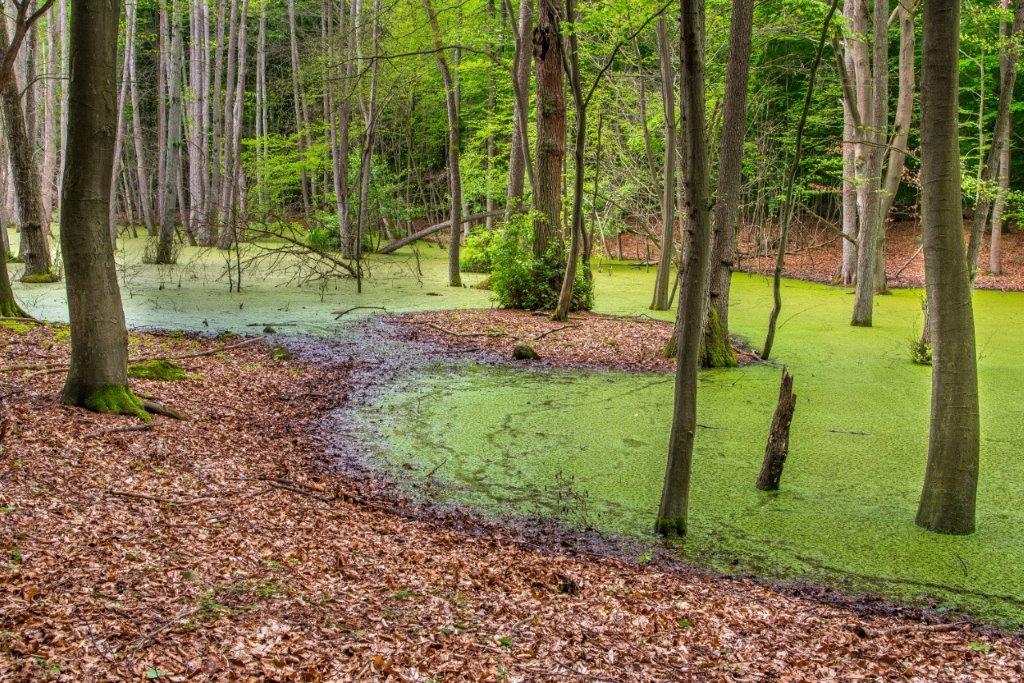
(475, 256)
(521, 280)
(324, 236)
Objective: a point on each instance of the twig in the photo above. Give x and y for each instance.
(926, 628)
(160, 409)
(494, 335)
(557, 329)
(909, 261)
(338, 314)
(158, 499)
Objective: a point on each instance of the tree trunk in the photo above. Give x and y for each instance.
(995, 265)
(35, 248)
(98, 374)
(520, 164)
(548, 55)
(454, 142)
(165, 249)
(778, 438)
(672, 513)
(717, 350)
(1007, 81)
(122, 98)
(142, 169)
(579, 149)
(668, 187)
(234, 108)
(301, 124)
(951, 478)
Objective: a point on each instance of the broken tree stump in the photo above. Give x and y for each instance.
(778, 438)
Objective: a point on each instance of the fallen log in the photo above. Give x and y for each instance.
(437, 227)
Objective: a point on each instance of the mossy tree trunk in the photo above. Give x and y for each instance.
(672, 514)
(25, 179)
(98, 374)
(951, 479)
(717, 350)
(9, 308)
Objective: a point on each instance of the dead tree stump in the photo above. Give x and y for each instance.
(778, 439)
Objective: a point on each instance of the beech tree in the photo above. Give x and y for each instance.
(98, 374)
(549, 55)
(951, 478)
(672, 514)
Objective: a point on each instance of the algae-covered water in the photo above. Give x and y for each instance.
(591, 448)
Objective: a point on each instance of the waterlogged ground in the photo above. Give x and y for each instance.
(591, 447)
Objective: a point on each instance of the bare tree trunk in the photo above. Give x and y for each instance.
(49, 133)
(717, 351)
(172, 157)
(454, 144)
(197, 129)
(672, 513)
(1008, 79)
(98, 375)
(778, 437)
(35, 247)
(161, 107)
(848, 268)
(211, 231)
(301, 122)
(951, 477)
(234, 101)
(369, 135)
(995, 265)
(565, 296)
(142, 172)
(668, 190)
(548, 55)
(520, 163)
(122, 97)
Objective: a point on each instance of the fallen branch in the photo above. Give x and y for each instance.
(161, 409)
(909, 261)
(493, 335)
(47, 369)
(926, 628)
(338, 314)
(158, 499)
(437, 227)
(557, 329)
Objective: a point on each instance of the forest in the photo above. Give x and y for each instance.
(513, 340)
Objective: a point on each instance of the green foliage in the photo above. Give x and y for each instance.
(920, 352)
(475, 255)
(324, 236)
(521, 280)
(159, 370)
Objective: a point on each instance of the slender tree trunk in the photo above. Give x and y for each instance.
(98, 375)
(717, 351)
(211, 232)
(165, 249)
(848, 269)
(995, 265)
(122, 97)
(142, 170)
(579, 150)
(301, 125)
(548, 55)
(197, 127)
(161, 106)
(668, 188)
(951, 477)
(672, 513)
(369, 136)
(50, 133)
(454, 143)
(35, 248)
(234, 101)
(1008, 79)
(520, 164)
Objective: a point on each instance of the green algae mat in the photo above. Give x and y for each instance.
(590, 448)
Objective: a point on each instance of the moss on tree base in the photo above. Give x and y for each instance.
(47, 277)
(671, 527)
(116, 399)
(9, 308)
(716, 351)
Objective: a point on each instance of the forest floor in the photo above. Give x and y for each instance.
(815, 254)
(226, 546)
(590, 341)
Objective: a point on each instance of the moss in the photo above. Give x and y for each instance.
(280, 352)
(160, 370)
(16, 326)
(484, 284)
(716, 351)
(671, 527)
(116, 399)
(61, 333)
(9, 308)
(524, 352)
(40, 278)
(14, 258)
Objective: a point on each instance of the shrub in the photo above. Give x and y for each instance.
(475, 256)
(324, 236)
(521, 280)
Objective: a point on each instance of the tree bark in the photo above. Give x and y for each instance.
(1007, 82)
(35, 247)
(520, 164)
(951, 478)
(778, 438)
(717, 350)
(672, 513)
(122, 97)
(454, 143)
(668, 187)
(301, 119)
(165, 247)
(98, 373)
(995, 265)
(548, 55)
